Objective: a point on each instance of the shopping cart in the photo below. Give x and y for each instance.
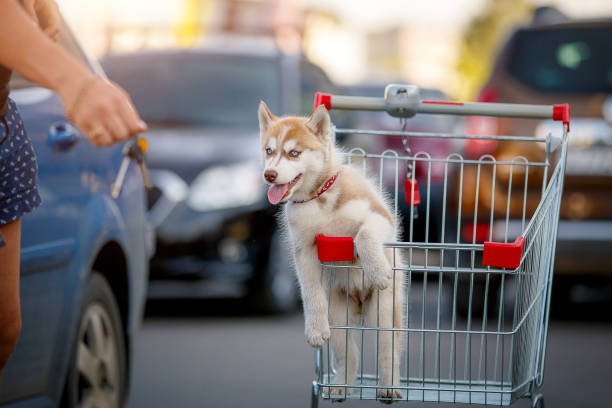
(493, 353)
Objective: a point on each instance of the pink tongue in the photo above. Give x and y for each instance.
(276, 192)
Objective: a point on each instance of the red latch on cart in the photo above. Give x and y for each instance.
(503, 255)
(322, 99)
(413, 197)
(335, 249)
(561, 113)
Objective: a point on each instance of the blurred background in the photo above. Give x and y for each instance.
(444, 44)
(223, 326)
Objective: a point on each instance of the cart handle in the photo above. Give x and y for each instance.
(403, 101)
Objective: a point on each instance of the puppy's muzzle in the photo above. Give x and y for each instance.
(270, 175)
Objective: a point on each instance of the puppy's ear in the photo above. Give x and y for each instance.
(320, 123)
(266, 117)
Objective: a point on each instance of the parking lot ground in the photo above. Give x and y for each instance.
(210, 354)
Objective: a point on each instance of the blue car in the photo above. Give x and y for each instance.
(84, 265)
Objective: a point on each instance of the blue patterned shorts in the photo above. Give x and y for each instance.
(18, 169)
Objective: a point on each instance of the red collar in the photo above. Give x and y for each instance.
(326, 186)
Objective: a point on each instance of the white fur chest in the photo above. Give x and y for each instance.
(307, 220)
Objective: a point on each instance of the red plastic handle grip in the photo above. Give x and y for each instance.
(335, 249)
(503, 255)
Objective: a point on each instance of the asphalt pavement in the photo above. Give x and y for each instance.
(212, 354)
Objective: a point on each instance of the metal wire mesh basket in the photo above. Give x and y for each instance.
(471, 296)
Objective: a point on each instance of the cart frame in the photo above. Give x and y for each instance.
(491, 357)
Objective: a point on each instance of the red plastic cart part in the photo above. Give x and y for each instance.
(413, 197)
(322, 99)
(434, 102)
(561, 113)
(335, 249)
(503, 255)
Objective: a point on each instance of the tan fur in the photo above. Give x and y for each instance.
(352, 191)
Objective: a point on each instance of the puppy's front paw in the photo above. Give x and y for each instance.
(378, 273)
(380, 279)
(339, 394)
(317, 334)
(388, 395)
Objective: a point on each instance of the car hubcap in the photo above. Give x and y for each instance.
(97, 361)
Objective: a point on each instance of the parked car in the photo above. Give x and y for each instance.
(216, 233)
(548, 63)
(84, 264)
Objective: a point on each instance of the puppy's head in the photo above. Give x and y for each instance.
(295, 151)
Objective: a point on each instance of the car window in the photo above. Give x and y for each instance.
(198, 89)
(68, 42)
(563, 60)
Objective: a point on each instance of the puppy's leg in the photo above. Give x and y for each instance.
(385, 310)
(369, 244)
(314, 297)
(343, 312)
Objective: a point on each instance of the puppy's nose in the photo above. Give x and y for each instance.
(270, 175)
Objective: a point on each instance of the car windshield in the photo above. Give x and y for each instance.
(564, 60)
(197, 89)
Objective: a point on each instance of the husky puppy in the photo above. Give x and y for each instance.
(323, 196)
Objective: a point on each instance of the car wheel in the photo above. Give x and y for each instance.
(277, 291)
(97, 375)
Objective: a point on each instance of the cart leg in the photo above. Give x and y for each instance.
(537, 401)
(314, 400)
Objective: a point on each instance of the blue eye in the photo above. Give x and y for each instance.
(268, 151)
(294, 153)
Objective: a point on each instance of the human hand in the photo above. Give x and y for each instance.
(45, 14)
(102, 110)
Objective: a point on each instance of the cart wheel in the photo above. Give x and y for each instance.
(314, 399)
(537, 401)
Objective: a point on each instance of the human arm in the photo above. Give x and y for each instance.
(102, 110)
(45, 14)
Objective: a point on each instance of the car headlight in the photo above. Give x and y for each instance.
(231, 186)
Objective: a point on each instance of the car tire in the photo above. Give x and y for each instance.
(277, 291)
(98, 370)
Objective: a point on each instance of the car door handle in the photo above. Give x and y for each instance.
(62, 135)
